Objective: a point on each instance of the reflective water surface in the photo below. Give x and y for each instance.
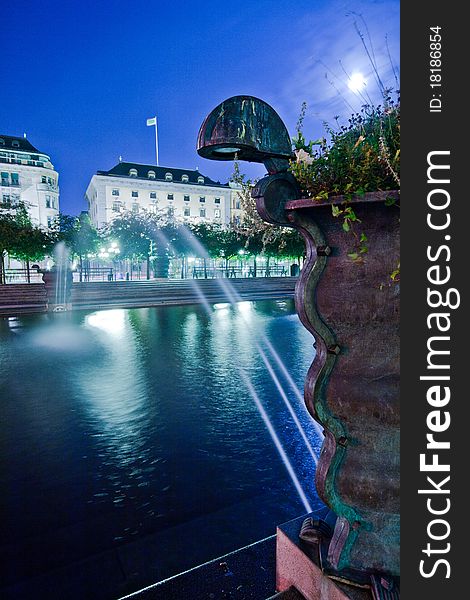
(133, 431)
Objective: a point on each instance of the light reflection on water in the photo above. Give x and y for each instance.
(133, 421)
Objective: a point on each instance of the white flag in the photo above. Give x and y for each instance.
(152, 121)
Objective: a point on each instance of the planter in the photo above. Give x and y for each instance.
(352, 386)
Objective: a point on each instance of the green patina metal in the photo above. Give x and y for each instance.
(246, 128)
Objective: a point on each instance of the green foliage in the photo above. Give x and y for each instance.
(77, 233)
(31, 244)
(219, 240)
(134, 233)
(360, 157)
(256, 233)
(257, 236)
(21, 239)
(206, 236)
(8, 234)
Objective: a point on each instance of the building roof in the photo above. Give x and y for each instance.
(11, 142)
(122, 170)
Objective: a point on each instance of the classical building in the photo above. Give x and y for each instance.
(28, 176)
(188, 195)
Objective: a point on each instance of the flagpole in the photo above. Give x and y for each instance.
(156, 141)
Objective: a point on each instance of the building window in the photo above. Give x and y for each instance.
(48, 202)
(135, 208)
(153, 195)
(217, 213)
(202, 212)
(15, 144)
(217, 200)
(151, 175)
(6, 201)
(237, 204)
(5, 180)
(49, 221)
(202, 198)
(115, 192)
(43, 179)
(153, 208)
(132, 172)
(200, 179)
(15, 199)
(187, 211)
(116, 207)
(170, 197)
(168, 177)
(171, 212)
(184, 178)
(53, 201)
(186, 198)
(2, 142)
(135, 194)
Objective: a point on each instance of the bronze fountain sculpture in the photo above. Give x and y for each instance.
(352, 386)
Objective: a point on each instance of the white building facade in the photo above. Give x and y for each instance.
(28, 177)
(187, 194)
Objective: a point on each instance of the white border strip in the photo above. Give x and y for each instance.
(154, 585)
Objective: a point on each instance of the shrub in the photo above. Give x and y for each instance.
(359, 157)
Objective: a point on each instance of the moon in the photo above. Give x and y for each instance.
(356, 82)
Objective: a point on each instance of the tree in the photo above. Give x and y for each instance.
(228, 242)
(8, 233)
(31, 244)
(79, 236)
(85, 240)
(137, 235)
(292, 244)
(21, 239)
(256, 233)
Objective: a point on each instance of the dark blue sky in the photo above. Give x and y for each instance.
(81, 77)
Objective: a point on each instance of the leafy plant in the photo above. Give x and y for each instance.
(21, 239)
(359, 157)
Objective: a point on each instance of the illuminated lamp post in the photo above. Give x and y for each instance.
(352, 386)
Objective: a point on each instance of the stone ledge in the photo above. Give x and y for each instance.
(298, 566)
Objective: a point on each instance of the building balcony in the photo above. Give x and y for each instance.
(26, 162)
(47, 187)
(10, 161)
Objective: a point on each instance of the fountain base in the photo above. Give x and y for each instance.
(303, 565)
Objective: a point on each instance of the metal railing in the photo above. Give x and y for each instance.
(21, 276)
(95, 274)
(237, 272)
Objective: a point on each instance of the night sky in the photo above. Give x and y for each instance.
(81, 77)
